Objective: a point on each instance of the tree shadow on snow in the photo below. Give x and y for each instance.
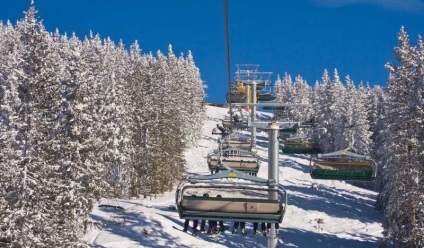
(301, 238)
(334, 202)
(262, 144)
(295, 165)
(130, 225)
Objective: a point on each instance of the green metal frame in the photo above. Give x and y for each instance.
(301, 150)
(288, 130)
(273, 108)
(266, 97)
(230, 217)
(222, 168)
(342, 175)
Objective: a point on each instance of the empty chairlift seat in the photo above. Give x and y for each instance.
(241, 123)
(343, 165)
(301, 146)
(237, 141)
(264, 95)
(236, 95)
(288, 129)
(239, 159)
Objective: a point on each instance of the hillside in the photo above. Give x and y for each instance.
(350, 219)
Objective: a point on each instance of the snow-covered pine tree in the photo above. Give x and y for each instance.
(323, 109)
(357, 134)
(196, 98)
(169, 131)
(404, 168)
(338, 112)
(9, 101)
(350, 121)
(377, 117)
(285, 94)
(115, 117)
(302, 95)
(137, 82)
(278, 91)
(360, 141)
(80, 175)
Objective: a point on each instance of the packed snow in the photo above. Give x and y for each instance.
(319, 214)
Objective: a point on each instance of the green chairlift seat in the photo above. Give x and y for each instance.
(343, 165)
(274, 108)
(301, 146)
(289, 129)
(264, 95)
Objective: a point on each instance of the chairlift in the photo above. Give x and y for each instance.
(237, 94)
(264, 95)
(237, 123)
(234, 158)
(237, 141)
(300, 145)
(226, 122)
(343, 165)
(226, 196)
(274, 108)
(289, 129)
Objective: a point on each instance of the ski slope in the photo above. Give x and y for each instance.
(349, 218)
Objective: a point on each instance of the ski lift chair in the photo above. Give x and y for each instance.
(236, 94)
(252, 201)
(274, 108)
(234, 158)
(300, 145)
(264, 95)
(226, 122)
(288, 129)
(237, 141)
(343, 165)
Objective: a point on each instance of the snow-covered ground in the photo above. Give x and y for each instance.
(349, 218)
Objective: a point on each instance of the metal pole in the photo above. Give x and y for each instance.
(253, 117)
(227, 49)
(273, 174)
(247, 88)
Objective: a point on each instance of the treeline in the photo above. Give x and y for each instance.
(339, 112)
(386, 123)
(85, 119)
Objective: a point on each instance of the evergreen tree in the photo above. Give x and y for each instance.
(404, 220)
(361, 136)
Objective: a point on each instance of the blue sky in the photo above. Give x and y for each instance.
(299, 37)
